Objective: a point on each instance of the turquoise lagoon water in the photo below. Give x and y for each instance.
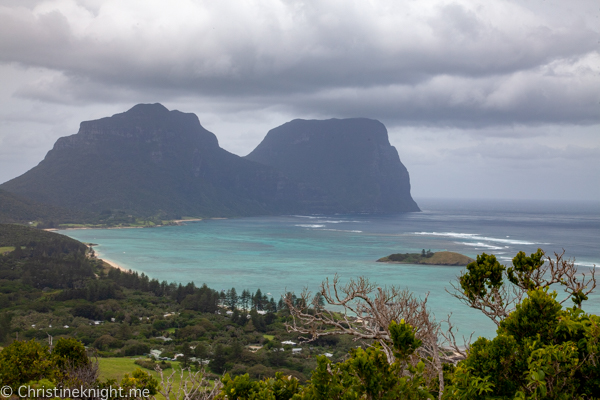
(289, 253)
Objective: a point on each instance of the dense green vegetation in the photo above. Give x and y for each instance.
(366, 374)
(16, 209)
(429, 258)
(19, 210)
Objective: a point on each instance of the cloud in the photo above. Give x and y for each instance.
(527, 153)
(448, 63)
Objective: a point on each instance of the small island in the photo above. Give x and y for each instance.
(428, 258)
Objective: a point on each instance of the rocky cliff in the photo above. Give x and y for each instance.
(345, 165)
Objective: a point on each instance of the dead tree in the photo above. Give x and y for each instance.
(365, 312)
(192, 385)
(495, 290)
(83, 375)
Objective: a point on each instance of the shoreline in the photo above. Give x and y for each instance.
(101, 227)
(181, 221)
(174, 222)
(110, 263)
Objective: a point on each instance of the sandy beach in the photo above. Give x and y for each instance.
(111, 263)
(181, 221)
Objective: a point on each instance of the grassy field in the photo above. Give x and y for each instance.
(270, 337)
(6, 249)
(116, 367)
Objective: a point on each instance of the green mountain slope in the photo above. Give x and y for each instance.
(346, 165)
(16, 209)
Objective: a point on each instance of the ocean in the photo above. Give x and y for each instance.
(293, 252)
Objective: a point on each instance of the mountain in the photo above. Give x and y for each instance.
(16, 209)
(150, 161)
(344, 165)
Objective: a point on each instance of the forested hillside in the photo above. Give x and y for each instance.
(17, 209)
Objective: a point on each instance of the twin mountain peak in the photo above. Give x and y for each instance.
(150, 161)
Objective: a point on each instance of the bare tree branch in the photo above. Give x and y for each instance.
(191, 386)
(366, 312)
(497, 302)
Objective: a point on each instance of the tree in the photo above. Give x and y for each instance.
(231, 299)
(542, 350)
(257, 300)
(187, 354)
(5, 319)
(368, 312)
(241, 387)
(67, 365)
(258, 321)
(245, 299)
(142, 381)
(201, 351)
(21, 362)
(70, 352)
(366, 374)
(186, 384)
(217, 364)
(493, 289)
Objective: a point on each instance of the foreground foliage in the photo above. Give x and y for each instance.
(542, 350)
(22, 362)
(366, 374)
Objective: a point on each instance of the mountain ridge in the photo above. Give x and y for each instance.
(151, 161)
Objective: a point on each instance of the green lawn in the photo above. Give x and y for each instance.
(116, 367)
(270, 337)
(6, 249)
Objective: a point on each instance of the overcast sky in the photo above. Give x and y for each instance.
(482, 99)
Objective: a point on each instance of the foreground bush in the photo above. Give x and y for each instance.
(542, 351)
(366, 374)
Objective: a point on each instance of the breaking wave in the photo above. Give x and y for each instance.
(475, 236)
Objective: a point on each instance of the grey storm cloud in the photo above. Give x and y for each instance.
(446, 63)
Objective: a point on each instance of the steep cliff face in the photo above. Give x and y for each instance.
(344, 165)
(150, 160)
